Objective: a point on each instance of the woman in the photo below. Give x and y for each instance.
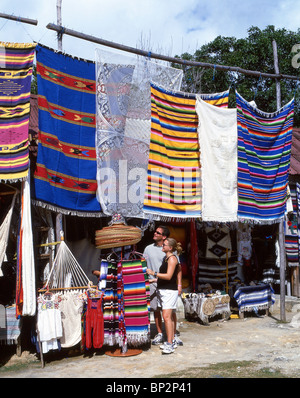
(167, 288)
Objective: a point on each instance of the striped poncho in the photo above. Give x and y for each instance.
(264, 148)
(173, 187)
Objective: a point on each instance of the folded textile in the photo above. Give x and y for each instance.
(174, 178)
(249, 298)
(264, 149)
(11, 332)
(65, 175)
(15, 84)
(217, 132)
(136, 302)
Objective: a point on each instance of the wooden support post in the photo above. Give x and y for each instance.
(281, 226)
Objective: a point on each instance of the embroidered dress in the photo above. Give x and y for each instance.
(49, 322)
(264, 150)
(16, 61)
(65, 175)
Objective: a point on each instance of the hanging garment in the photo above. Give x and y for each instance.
(218, 240)
(71, 306)
(264, 149)
(217, 133)
(65, 176)
(136, 302)
(174, 176)
(94, 324)
(109, 271)
(123, 128)
(4, 232)
(291, 233)
(244, 242)
(25, 260)
(49, 324)
(15, 84)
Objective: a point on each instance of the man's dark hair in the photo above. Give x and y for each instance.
(166, 231)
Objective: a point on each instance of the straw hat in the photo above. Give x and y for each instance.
(117, 235)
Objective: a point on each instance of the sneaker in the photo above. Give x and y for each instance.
(174, 344)
(158, 339)
(168, 348)
(177, 340)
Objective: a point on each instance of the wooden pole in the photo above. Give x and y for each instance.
(281, 226)
(181, 61)
(60, 33)
(19, 19)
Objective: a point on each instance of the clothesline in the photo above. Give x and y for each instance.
(63, 30)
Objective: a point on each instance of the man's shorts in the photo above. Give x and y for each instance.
(153, 297)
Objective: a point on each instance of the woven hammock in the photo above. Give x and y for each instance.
(117, 235)
(66, 271)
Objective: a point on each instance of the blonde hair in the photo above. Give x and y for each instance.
(176, 246)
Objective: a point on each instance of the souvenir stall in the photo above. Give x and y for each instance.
(119, 141)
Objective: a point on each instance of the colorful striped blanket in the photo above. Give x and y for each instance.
(259, 297)
(16, 62)
(264, 148)
(65, 175)
(173, 186)
(136, 302)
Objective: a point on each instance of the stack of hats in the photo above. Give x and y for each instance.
(117, 235)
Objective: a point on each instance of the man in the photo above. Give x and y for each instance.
(154, 255)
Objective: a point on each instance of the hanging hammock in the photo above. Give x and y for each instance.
(66, 272)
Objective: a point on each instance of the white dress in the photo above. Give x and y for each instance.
(49, 322)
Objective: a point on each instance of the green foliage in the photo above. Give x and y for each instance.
(255, 53)
(34, 81)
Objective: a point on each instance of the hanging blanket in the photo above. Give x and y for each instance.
(173, 187)
(217, 132)
(259, 297)
(65, 176)
(123, 128)
(264, 149)
(136, 302)
(16, 62)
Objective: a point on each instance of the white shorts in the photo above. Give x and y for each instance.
(167, 299)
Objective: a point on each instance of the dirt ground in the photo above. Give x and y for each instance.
(266, 340)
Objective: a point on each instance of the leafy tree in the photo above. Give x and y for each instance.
(33, 81)
(255, 53)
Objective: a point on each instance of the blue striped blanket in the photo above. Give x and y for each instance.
(259, 297)
(264, 150)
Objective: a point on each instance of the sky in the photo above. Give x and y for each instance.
(168, 27)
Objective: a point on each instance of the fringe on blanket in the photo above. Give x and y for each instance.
(66, 211)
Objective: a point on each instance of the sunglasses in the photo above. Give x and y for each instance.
(157, 232)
